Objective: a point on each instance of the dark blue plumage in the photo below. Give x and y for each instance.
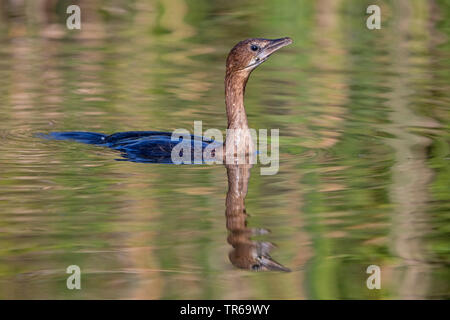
(136, 146)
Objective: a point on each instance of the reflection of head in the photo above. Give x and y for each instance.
(254, 256)
(246, 254)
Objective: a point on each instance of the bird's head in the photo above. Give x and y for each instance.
(248, 54)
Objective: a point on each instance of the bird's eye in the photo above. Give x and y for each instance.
(254, 47)
(255, 267)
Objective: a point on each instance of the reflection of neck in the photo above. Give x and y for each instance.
(238, 177)
(246, 253)
(234, 99)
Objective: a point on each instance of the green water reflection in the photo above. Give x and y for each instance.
(364, 131)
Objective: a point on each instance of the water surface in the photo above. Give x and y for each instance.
(364, 131)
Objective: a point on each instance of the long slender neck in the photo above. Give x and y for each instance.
(234, 99)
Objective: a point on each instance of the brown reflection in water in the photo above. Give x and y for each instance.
(246, 254)
(327, 86)
(410, 174)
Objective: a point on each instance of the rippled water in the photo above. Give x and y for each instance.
(364, 131)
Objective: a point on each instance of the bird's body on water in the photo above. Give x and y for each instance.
(154, 146)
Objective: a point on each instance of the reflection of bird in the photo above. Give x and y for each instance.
(150, 146)
(253, 255)
(246, 253)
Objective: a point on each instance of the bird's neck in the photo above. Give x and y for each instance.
(239, 145)
(234, 99)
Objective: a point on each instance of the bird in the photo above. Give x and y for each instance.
(156, 146)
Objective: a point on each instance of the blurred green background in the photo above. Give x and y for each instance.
(364, 149)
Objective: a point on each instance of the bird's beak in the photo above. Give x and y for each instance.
(273, 46)
(271, 265)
